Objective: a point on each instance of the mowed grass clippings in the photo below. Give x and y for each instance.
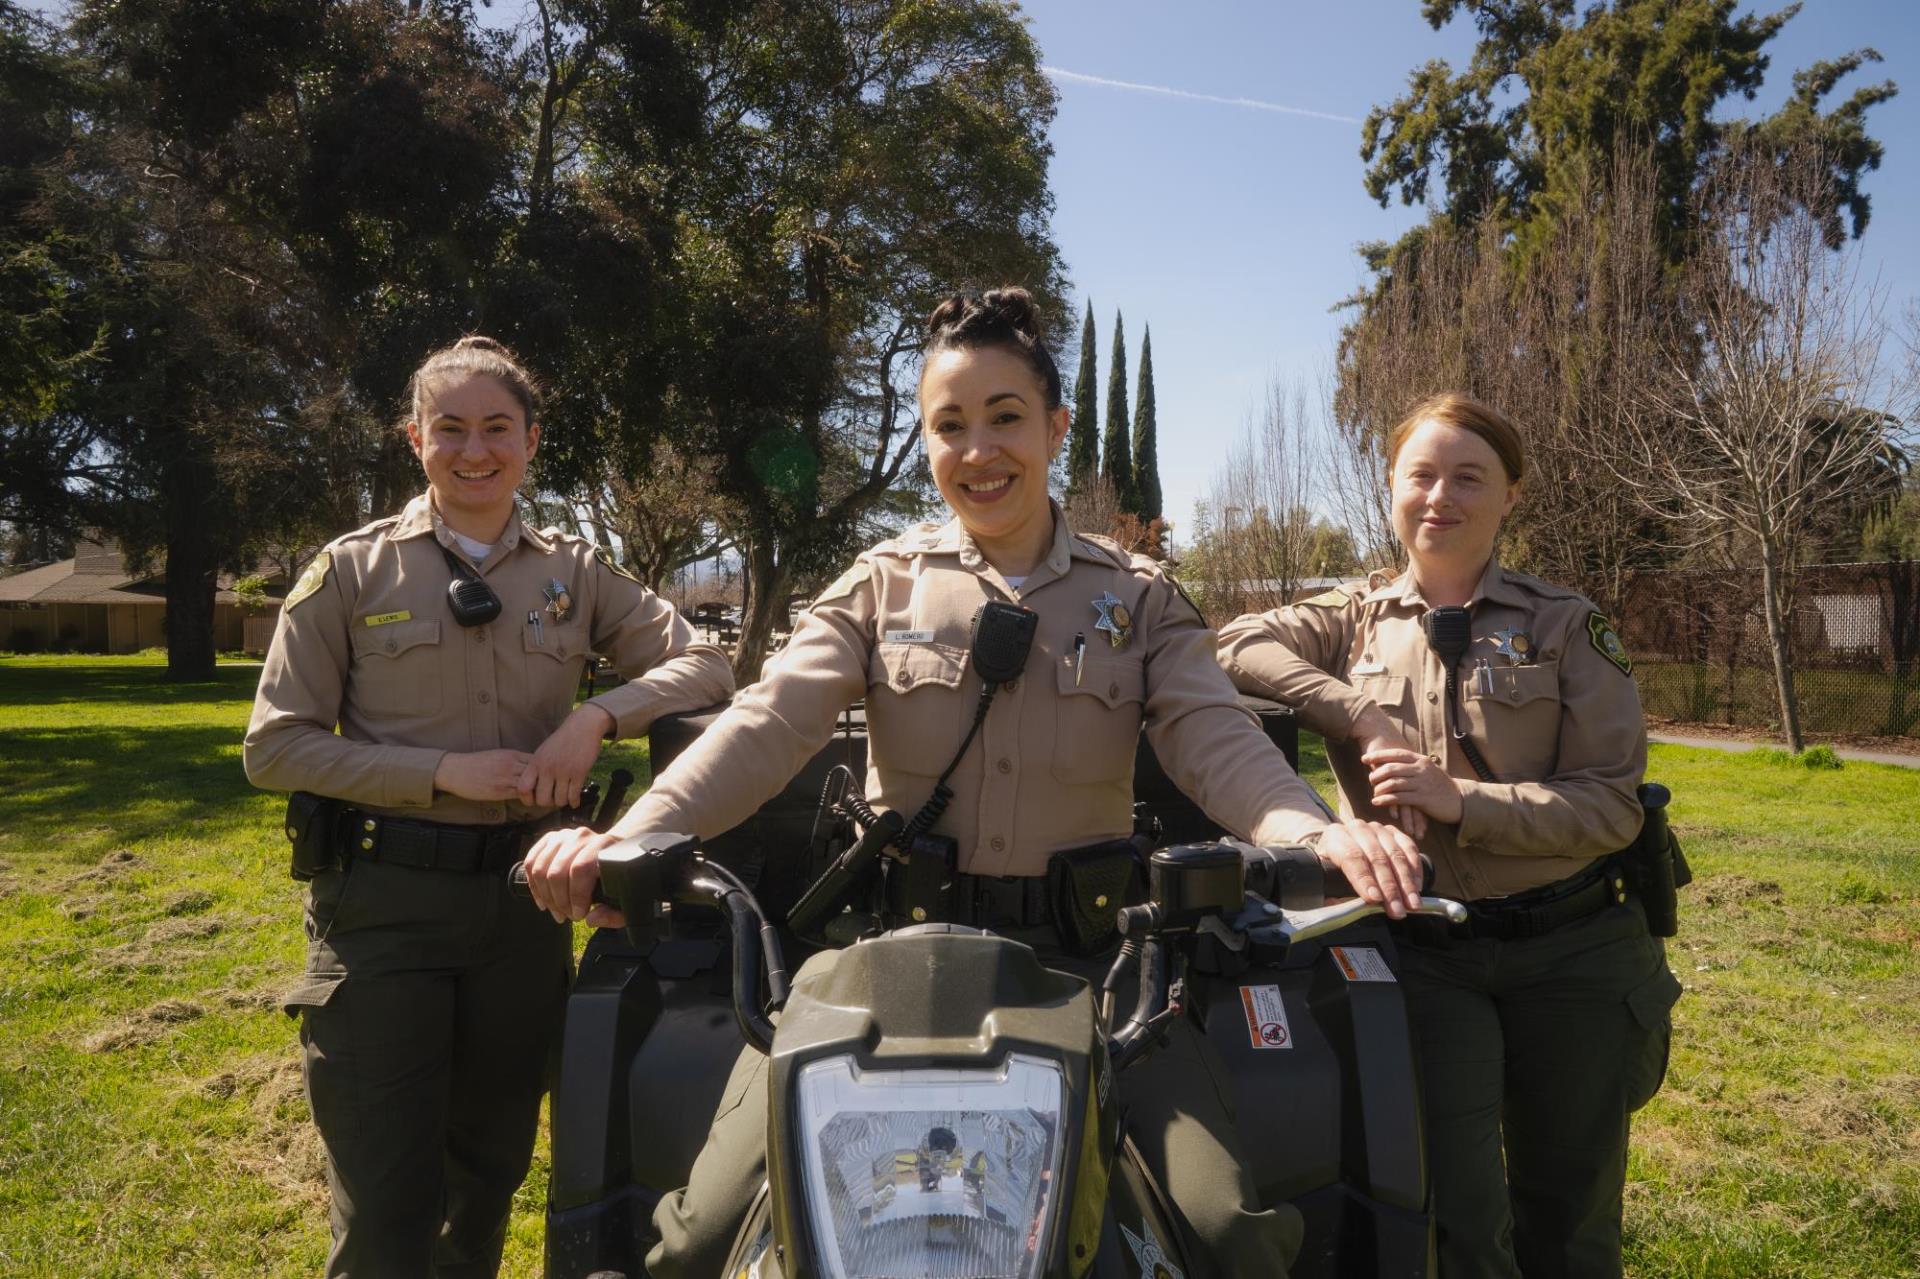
(152, 1114)
(152, 1119)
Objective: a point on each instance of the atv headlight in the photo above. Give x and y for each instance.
(932, 1174)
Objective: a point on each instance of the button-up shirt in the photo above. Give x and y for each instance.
(1555, 715)
(1052, 767)
(368, 643)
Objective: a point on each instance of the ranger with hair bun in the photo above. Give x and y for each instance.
(445, 645)
(1048, 779)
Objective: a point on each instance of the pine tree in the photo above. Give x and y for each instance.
(1083, 450)
(1116, 461)
(1146, 441)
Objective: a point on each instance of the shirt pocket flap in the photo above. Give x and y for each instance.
(394, 638)
(1114, 681)
(554, 640)
(1382, 690)
(313, 990)
(904, 667)
(1517, 685)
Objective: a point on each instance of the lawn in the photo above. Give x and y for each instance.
(151, 1116)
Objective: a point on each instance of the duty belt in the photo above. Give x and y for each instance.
(401, 841)
(1534, 913)
(1015, 900)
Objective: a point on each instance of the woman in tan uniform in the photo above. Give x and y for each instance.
(1116, 643)
(431, 997)
(1543, 1023)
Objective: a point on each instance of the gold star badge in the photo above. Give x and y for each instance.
(1115, 620)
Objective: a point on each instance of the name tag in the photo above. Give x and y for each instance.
(1368, 668)
(909, 637)
(381, 619)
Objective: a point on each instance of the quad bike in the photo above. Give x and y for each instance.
(877, 1064)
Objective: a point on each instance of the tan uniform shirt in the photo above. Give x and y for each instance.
(1053, 765)
(368, 642)
(1558, 722)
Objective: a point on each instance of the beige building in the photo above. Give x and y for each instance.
(93, 603)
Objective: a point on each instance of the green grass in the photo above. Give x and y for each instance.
(151, 1118)
(1831, 701)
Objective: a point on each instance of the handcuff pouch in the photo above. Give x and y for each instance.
(312, 829)
(920, 880)
(1086, 888)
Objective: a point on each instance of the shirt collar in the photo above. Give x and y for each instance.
(418, 518)
(1495, 584)
(952, 538)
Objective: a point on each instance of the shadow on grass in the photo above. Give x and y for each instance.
(119, 682)
(53, 778)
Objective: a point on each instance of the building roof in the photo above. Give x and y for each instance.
(98, 574)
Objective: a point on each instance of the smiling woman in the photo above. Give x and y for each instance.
(431, 996)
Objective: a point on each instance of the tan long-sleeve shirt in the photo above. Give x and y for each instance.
(367, 642)
(1053, 765)
(1546, 694)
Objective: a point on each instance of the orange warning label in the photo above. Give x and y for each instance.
(1266, 1017)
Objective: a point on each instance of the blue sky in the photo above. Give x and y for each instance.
(1231, 229)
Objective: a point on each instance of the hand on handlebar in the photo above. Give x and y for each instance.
(563, 867)
(1381, 862)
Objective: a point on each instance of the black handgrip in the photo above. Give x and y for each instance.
(1335, 883)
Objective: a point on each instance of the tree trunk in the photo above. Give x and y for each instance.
(191, 568)
(1772, 591)
(768, 582)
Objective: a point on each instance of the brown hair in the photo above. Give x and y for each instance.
(1468, 414)
(471, 356)
(999, 317)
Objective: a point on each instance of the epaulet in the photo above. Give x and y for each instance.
(1109, 549)
(920, 537)
(1339, 596)
(366, 532)
(1545, 589)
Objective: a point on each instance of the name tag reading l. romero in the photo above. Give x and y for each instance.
(909, 637)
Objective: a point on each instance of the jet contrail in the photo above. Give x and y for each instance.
(1077, 77)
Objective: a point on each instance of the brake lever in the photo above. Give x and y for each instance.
(1295, 926)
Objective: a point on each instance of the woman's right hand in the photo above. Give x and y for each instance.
(1381, 862)
(563, 869)
(482, 775)
(1373, 732)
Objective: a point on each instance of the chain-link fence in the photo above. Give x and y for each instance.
(1700, 649)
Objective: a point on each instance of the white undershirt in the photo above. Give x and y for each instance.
(1017, 582)
(477, 552)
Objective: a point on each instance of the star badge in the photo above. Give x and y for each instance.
(1115, 620)
(1515, 645)
(559, 599)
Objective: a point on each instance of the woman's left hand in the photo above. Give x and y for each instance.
(1412, 780)
(561, 764)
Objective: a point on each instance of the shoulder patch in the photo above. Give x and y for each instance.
(1607, 641)
(843, 585)
(311, 580)
(1335, 598)
(605, 556)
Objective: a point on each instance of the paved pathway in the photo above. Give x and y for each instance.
(1734, 744)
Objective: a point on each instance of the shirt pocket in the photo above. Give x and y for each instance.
(396, 669)
(917, 711)
(1391, 694)
(1514, 718)
(1097, 713)
(555, 654)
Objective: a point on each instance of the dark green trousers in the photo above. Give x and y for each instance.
(431, 1007)
(1179, 1112)
(1532, 1056)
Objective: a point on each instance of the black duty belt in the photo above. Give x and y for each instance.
(1007, 900)
(401, 841)
(1534, 913)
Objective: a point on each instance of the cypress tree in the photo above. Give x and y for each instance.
(1083, 448)
(1146, 442)
(1116, 461)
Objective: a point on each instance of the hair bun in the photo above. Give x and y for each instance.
(1000, 317)
(1015, 307)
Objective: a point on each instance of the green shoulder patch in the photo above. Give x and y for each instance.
(311, 580)
(1335, 598)
(605, 556)
(1607, 641)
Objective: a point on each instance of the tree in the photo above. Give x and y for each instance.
(1763, 417)
(1083, 447)
(1261, 531)
(1116, 461)
(1146, 439)
(1552, 88)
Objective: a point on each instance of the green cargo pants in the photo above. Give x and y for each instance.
(1532, 1056)
(1179, 1113)
(431, 1007)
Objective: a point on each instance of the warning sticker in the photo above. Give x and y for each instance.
(1266, 1017)
(1361, 963)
